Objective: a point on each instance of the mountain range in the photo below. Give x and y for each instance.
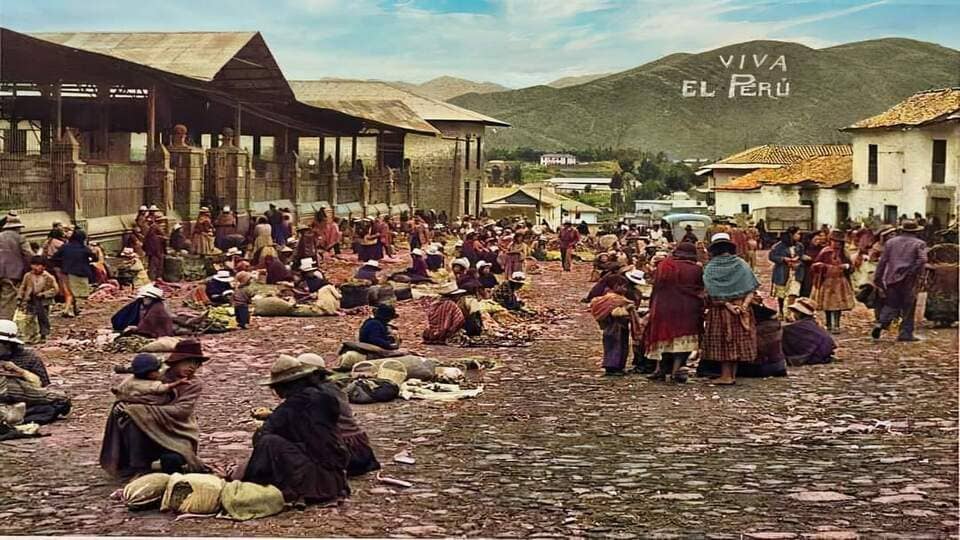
(737, 96)
(446, 87)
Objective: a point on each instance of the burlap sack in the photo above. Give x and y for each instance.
(272, 306)
(192, 494)
(246, 500)
(161, 345)
(146, 491)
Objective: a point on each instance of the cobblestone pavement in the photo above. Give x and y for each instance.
(865, 446)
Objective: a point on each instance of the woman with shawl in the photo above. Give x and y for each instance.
(444, 317)
(202, 237)
(812, 243)
(617, 317)
(369, 248)
(730, 333)
(832, 290)
(676, 313)
(511, 247)
(787, 268)
(804, 340)
(226, 226)
(326, 233)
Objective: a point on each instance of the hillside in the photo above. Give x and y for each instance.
(564, 82)
(643, 107)
(446, 87)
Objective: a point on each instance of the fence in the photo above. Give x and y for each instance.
(110, 189)
(28, 185)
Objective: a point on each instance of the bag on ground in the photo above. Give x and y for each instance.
(246, 500)
(272, 306)
(363, 391)
(161, 345)
(146, 491)
(192, 494)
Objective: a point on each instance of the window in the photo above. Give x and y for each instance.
(466, 161)
(889, 214)
(479, 153)
(843, 213)
(939, 161)
(466, 197)
(872, 164)
(744, 208)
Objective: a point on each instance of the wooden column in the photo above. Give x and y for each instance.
(336, 156)
(152, 118)
(59, 126)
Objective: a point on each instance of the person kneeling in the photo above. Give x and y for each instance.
(805, 341)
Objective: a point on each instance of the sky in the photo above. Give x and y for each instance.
(516, 43)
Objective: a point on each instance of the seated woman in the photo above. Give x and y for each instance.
(444, 317)
(219, 288)
(276, 271)
(505, 293)
(418, 271)
(368, 272)
(309, 280)
(297, 448)
(805, 341)
(487, 280)
(136, 435)
(130, 269)
(469, 281)
(154, 319)
(376, 329)
(434, 258)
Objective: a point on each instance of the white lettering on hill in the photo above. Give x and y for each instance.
(744, 84)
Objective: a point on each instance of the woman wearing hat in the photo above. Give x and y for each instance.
(298, 449)
(74, 260)
(130, 269)
(486, 278)
(444, 316)
(226, 226)
(730, 333)
(418, 272)
(434, 257)
(309, 280)
(202, 239)
(262, 240)
(369, 247)
(804, 340)
(505, 293)
(219, 288)
(832, 289)
(276, 271)
(137, 435)
(326, 233)
(369, 272)
(676, 312)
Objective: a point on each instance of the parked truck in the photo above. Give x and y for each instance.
(777, 219)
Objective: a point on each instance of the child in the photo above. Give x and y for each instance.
(144, 386)
(241, 299)
(37, 292)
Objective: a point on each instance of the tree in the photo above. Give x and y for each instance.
(651, 189)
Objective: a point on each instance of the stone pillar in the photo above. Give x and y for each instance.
(330, 168)
(408, 181)
(68, 171)
(456, 194)
(228, 175)
(389, 187)
(292, 176)
(187, 164)
(160, 176)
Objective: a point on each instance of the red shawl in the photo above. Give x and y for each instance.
(827, 264)
(327, 233)
(676, 305)
(444, 319)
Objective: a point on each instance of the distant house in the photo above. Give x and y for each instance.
(679, 203)
(569, 185)
(537, 203)
(768, 156)
(907, 159)
(558, 159)
(824, 183)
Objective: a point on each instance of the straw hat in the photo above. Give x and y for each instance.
(154, 208)
(635, 277)
(721, 238)
(187, 349)
(805, 306)
(287, 368)
(432, 250)
(910, 225)
(373, 263)
(483, 264)
(9, 331)
(392, 370)
(223, 276)
(450, 289)
(307, 264)
(886, 231)
(518, 277)
(462, 262)
(13, 221)
(204, 210)
(418, 252)
(303, 227)
(315, 360)
(233, 252)
(127, 252)
(150, 291)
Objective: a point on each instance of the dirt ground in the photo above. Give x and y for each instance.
(866, 446)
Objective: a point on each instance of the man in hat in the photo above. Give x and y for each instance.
(137, 435)
(444, 316)
(15, 253)
(219, 288)
(376, 330)
(298, 448)
(569, 238)
(23, 379)
(505, 293)
(903, 260)
(804, 340)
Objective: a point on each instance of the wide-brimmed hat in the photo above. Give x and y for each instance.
(287, 368)
(127, 252)
(154, 208)
(886, 231)
(150, 291)
(307, 264)
(233, 252)
(13, 221)
(385, 312)
(187, 349)
(483, 264)
(9, 331)
(910, 225)
(432, 250)
(635, 277)
(838, 236)
(144, 363)
(315, 360)
(462, 261)
(518, 277)
(373, 263)
(226, 208)
(418, 252)
(143, 208)
(204, 210)
(223, 276)
(720, 238)
(685, 250)
(805, 306)
(303, 227)
(177, 225)
(450, 289)
(286, 249)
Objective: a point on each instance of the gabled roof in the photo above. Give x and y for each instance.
(239, 62)
(777, 155)
(531, 194)
(386, 112)
(431, 110)
(917, 110)
(819, 171)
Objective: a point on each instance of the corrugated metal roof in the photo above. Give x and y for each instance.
(777, 154)
(427, 108)
(824, 171)
(388, 112)
(198, 55)
(494, 194)
(918, 109)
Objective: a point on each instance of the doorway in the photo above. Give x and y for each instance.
(940, 208)
(843, 212)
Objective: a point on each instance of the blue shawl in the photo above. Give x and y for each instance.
(728, 277)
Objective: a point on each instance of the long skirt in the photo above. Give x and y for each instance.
(942, 295)
(277, 461)
(362, 458)
(834, 294)
(728, 337)
(371, 252)
(126, 450)
(512, 262)
(616, 343)
(202, 244)
(79, 285)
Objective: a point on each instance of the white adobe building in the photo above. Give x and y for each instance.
(558, 159)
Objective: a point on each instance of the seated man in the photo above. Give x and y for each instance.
(376, 329)
(505, 293)
(805, 341)
(219, 288)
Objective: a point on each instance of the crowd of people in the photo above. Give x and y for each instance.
(662, 302)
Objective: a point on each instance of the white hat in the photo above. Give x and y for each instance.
(143, 208)
(373, 263)
(438, 226)
(177, 225)
(233, 251)
(483, 264)
(127, 252)
(449, 289)
(291, 241)
(150, 291)
(537, 229)
(636, 277)
(8, 331)
(720, 237)
(518, 277)
(418, 252)
(462, 261)
(226, 208)
(307, 264)
(223, 276)
(312, 359)
(153, 208)
(432, 250)
(204, 210)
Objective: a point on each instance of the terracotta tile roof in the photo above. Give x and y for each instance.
(824, 171)
(777, 154)
(918, 109)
